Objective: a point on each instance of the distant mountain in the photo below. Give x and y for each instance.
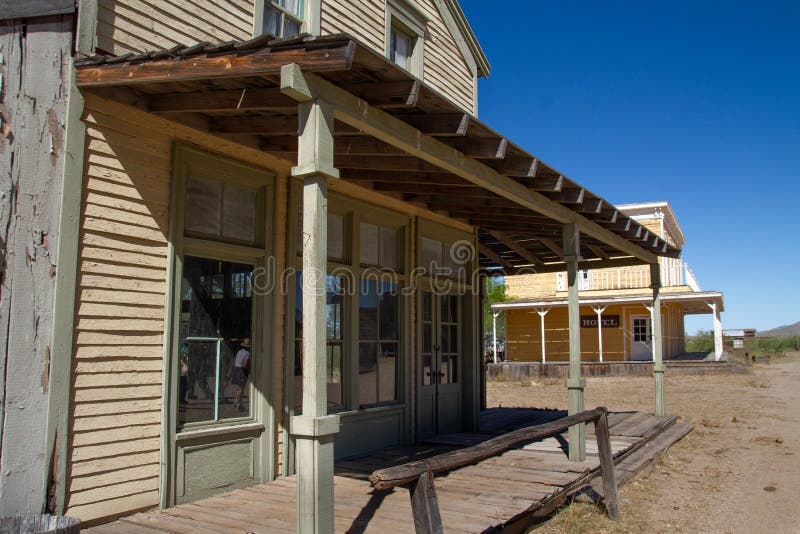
(782, 331)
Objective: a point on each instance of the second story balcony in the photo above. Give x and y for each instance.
(674, 273)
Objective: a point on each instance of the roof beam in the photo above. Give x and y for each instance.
(447, 124)
(278, 125)
(271, 99)
(356, 112)
(599, 252)
(481, 147)
(591, 205)
(568, 196)
(548, 183)
(495, 257)
(508, 241)
(522, 167)
(386, 163)
(591, 264)
(388, 95)
(333, 56)
(554, 247)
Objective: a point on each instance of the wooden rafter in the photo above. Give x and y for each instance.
(481, 148)
(516, 247)
(554, 247)
(247, 99)
(598, 251)
(495, 257)
(276, 125)
(388, 95)
(568, 196)
(524, 167)
(448, 124)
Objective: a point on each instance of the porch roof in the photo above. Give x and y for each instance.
(233, 90)
(694, 302)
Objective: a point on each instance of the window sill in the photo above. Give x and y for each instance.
(233, 428)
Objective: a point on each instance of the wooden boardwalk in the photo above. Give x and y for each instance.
(506, 492)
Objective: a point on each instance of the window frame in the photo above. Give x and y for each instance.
(405, 17)
(259, 423)
(355, 212)
(309, 20)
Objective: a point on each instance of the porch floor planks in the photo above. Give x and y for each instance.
(500, 491)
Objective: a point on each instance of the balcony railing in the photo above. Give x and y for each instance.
(673, 273)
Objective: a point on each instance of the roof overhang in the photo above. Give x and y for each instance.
(393, 134)
(693, 302)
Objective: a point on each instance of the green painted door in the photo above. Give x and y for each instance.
(441, 351)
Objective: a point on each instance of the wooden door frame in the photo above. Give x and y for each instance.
(184, 157)
(649, 320)
(469, 371)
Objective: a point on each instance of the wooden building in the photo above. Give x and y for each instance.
(616, 305)
(275, 220)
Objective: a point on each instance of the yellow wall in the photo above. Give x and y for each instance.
(523, 334)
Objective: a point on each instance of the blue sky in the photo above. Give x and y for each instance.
(697, 103)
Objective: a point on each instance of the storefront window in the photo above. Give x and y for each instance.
(378, 342)
(215, 351)
(334, 316)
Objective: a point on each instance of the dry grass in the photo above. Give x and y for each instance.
(740, 457)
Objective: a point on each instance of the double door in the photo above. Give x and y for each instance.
(441, 360)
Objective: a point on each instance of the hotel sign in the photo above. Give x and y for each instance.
(609, 321)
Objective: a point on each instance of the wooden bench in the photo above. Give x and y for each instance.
(418, 475)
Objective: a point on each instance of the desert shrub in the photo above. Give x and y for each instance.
(702, 342)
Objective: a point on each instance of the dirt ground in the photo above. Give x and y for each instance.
(737, 471)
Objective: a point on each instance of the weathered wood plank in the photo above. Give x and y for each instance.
(226, 66)
(34, 81)
(388, 478)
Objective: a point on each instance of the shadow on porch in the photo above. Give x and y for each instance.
(511, 490)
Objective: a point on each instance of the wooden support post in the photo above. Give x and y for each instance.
(717, 331)
(425, 505)
(314, 429)
(542, 312)
(599, 311)
(610, 496)
(575, 384)
(657, 341)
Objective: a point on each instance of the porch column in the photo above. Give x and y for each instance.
(542, 312)
(599, 311)
(717, 331)
(658, 364)
(575, 384)
(314, 429)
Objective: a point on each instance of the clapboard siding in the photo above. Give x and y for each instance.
(118, 358)
(138, 25)
(523, 334)
(445, 69)
(364, 19)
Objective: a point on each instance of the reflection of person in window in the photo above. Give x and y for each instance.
(241, 371)
(184, 375)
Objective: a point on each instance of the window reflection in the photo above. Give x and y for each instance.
(214, 354)
(334, 317)
(378, 342)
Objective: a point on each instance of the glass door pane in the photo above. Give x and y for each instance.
(448, 364)
(215, 350)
